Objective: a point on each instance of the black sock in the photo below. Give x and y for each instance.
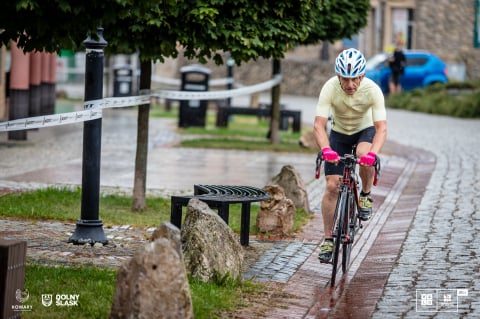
(363, 194)
(328, 239)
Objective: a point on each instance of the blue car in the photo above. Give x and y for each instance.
(423, 68)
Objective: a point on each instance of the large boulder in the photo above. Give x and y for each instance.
(276, 214)
(210, 248)
(154, 282)
(293, 185)
(307, 140)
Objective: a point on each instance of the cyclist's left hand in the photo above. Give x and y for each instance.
(368, 159)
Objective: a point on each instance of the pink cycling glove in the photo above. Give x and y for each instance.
(330, 155)
(368, 159)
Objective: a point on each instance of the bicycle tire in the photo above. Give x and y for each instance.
(350, 225)
(338, 233)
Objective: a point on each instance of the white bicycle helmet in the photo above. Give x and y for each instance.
(350, 63)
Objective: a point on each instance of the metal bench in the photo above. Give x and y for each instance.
(220, 197)
(223, 113)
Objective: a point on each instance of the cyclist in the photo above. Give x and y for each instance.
(357, 107)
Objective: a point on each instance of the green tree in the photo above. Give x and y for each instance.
(247, 29)
(337, 19)
(150, 29)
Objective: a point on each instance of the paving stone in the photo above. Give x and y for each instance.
(440, 251)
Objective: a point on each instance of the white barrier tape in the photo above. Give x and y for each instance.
(51, 120)
(216, 95)
(177, 82)
(112, 102)
(93, 109)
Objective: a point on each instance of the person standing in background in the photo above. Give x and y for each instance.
(397, 63)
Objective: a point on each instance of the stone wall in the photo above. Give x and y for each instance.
(300, 76)
(445, 28)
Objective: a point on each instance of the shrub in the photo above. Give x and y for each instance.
(458, 99)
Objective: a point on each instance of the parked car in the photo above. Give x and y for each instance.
(423, 68)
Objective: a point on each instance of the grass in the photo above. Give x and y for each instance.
(64, 205)
(96, 285)
(212, 299)
(96, 288)
(243, 133)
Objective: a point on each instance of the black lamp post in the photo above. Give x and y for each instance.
(89, 228)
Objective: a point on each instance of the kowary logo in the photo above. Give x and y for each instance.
(22, 296)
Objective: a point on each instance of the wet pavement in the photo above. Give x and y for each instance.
(420, 249)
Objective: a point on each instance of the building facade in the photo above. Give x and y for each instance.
(444, 27)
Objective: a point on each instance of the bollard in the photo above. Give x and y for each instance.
(89, 229)
(12, 277)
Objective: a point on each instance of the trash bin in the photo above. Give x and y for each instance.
(193, 112)
(122, 80)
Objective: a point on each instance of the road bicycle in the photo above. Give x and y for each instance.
(346, 217)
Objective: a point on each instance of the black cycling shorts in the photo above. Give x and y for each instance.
(342, 144)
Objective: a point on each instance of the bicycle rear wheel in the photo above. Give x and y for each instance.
(350, 224)
(339, 234)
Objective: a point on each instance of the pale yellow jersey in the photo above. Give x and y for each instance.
(351, 113)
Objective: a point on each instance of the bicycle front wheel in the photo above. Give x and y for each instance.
(350, 225)
(339, 233)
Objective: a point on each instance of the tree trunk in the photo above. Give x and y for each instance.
(324, 52)
(140, 179)
(275, 107)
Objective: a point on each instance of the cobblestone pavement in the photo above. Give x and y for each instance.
(442, 249)
(279, 263)
(47, 243)
(436, 244)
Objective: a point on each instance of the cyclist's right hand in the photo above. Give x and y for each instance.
(330, 155)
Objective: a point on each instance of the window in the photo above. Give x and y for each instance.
(416, 61)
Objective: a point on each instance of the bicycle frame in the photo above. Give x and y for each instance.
(346, 221)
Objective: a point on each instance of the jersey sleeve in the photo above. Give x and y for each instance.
(379, 112)
(325, 100)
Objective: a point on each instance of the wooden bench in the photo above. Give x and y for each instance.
(220, 197)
